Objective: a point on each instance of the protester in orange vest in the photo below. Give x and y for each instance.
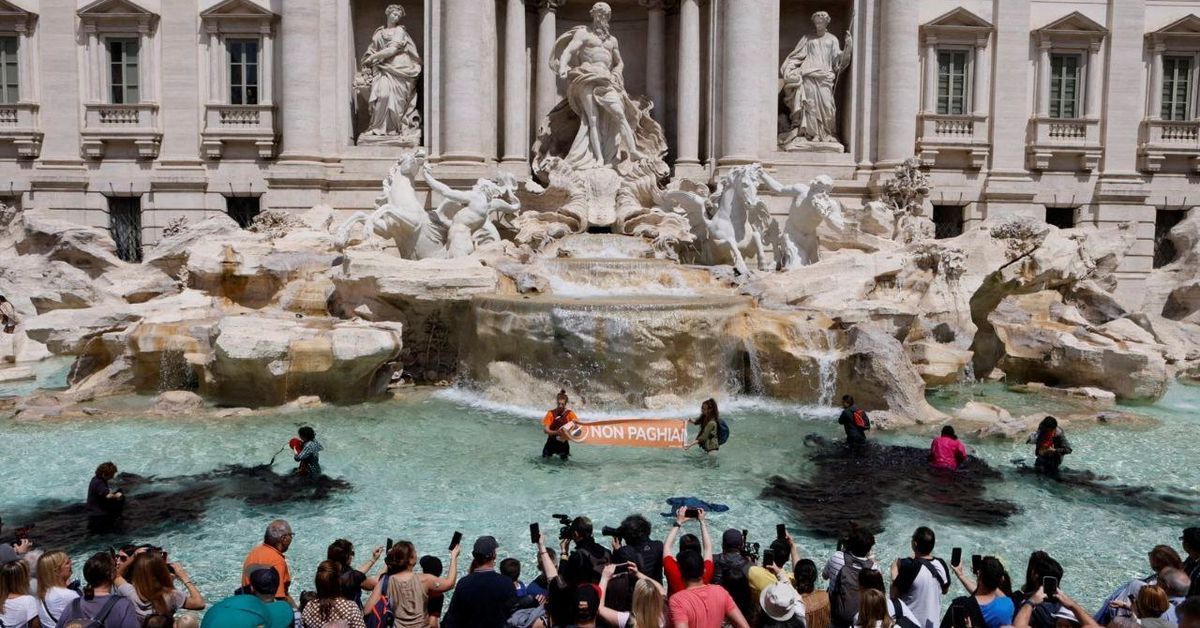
(555, 425)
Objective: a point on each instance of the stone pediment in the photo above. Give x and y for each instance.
(959, 18)
(237, 9)
(1074, 27)
(956, 26)
(1184, 28)
(114, 9)
(13, 17)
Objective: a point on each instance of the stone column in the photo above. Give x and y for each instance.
(1121, 99)
(180, 111)
(1156, 81)
(899, 81)
(300, 105)
(1095, 78)
(516, 84)
(746, 41)
(266, 71)
(981, 86)
(215, 67)
(468, 86)
(656, 55)
(687, 96)
(931, 74)
(59, 70)
(1043, 97)
(547, 81)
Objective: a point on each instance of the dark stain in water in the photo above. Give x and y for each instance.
(155, 504)
(1079, 485)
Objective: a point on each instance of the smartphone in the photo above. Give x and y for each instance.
(1050, 586)
(956, 557)
(976, 562)
(959, 617)
(390, 543)
(535, 533)
(841, 545)
(781, 531)
(692, 513)
(620, 569)
(768, 557)
(455, 540)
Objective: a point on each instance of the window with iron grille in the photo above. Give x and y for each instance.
(947, 221)
(1064, 85)
(952, 82)
(242, 209)
(125, 226)
(123, 70)
(1177, 88)
(1061, 217)
(10, 71)
(243, 71)
(1164, 249)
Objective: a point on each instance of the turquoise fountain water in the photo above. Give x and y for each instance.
(435, 463)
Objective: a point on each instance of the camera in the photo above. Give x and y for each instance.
(617, 532)
(565, 532)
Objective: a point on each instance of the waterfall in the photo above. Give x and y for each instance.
(827, 372)
(753, 371)
(173, 371)
(968, 374)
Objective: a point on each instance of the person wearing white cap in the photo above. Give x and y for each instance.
(782, 605)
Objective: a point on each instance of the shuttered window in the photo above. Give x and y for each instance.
(952, 82)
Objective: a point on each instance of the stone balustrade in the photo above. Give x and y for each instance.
(19, 125)
(1164, 139)
(966, 133)
(248, 124)
(126, 123)
(1071, 137)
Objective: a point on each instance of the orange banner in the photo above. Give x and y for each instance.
(656, 433)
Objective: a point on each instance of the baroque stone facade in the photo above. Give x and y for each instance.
(128, 114)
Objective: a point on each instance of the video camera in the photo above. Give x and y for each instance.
(565, 532)
(617, 532)
(750, 550)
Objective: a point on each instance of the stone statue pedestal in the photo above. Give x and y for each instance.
(793, 143)
(407, 140)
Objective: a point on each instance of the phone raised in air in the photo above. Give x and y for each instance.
(455, 540)
(390, 543)
(535, 533)
(1050, 586)
(692, 513)
(781, 531)
(620, 569)
(956, 557)
(976, 562)
(768, 557)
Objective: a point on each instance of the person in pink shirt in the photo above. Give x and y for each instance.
(947, 452)
(702, 605)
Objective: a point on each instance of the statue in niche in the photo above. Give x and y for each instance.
(462, 222)
(387, 80)
(599, 150)
(810, 75)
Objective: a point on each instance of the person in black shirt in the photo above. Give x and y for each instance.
(854, 421)
(635, 534)
(483, 598)
(586, 563)
(104, 505)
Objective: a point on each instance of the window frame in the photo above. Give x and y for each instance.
(1193, 74)
(1081, 78)
(231, 88)
(968, 95)
(16, 63)
(109, 64)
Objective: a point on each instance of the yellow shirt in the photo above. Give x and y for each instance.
(760, 579)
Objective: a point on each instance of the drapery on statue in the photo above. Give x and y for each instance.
(459, 224)
(810, 76)
(387, 79)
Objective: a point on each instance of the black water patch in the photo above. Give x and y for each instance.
(1070, 484)
(155, 504)
(858, 485)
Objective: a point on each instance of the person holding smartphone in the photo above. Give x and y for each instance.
(922, 580)
(409, 591)
(649, 600)
(675, 582)
(988, 607)
(1048, 607)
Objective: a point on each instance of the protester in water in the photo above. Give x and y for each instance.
(270, 555)
(100, 602)
(946, 451)
(556, 425)
(1050, 446)
(855, 421)
(709, 437)
(149, 582)
(256, 609)
(408, 591)
(309, 453)
(104, 504)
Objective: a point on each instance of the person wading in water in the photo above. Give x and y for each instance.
(556, 424)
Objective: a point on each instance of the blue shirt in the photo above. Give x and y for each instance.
(999, 612)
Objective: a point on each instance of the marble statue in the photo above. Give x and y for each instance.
(734, 223)
(599, 145)
(810, 74)
(387, 79)
(811, 205)
(460, 223)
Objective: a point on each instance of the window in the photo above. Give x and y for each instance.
(243, 71)
(1064, 85)
(1061, 217)
(123, 70)
(242, 209)
(1176, 88)
(952, 82)
(10, 82)
(947, 221)
(125, 225)
(1164, 249)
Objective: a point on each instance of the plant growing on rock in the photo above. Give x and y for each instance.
(1021, 235)
(175, 227)
(275, 224)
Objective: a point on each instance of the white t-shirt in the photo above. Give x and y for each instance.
(924, 597)
(892, 610)
(175, 600)
(19, 610)
(57, 600)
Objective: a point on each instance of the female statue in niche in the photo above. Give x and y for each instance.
(810, 74)
(387, 77)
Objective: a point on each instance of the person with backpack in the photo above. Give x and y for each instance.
(403, 594)
(843, 571)
(585, 564)
(921, 581)
(709, 438)
(100, 606)
(855, 421)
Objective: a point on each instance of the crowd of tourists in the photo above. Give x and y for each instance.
(631, 580)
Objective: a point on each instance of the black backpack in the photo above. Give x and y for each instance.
(83, 621)
(910, 568)
(844, 595)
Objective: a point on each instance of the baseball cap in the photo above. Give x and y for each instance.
(485, 548)
(587, 597)
(264, 581)
(732, 538)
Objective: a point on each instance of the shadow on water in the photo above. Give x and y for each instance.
(155, 504)
(857, 486)
(1085, 485)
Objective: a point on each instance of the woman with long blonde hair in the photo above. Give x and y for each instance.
(649, 607)
(53, 574)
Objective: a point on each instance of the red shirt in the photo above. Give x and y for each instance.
(675, 581)
(946, 453)
(702, 607)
